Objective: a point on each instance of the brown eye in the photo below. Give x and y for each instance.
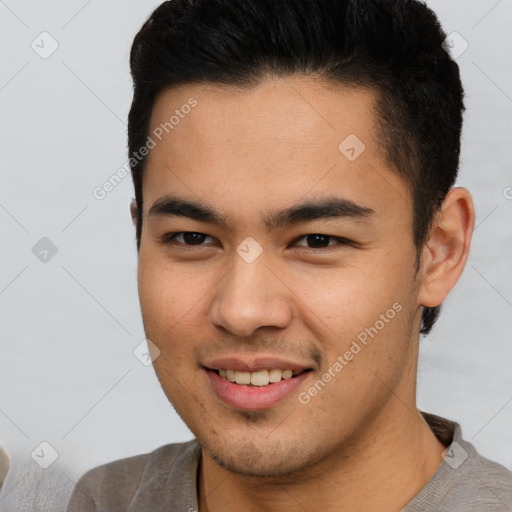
(186, 238)
(320, 241)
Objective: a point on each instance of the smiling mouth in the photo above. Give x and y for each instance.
(259, 378)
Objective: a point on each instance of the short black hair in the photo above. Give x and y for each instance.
(394, 47)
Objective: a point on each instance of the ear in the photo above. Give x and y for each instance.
(133, 212)
(445, 253)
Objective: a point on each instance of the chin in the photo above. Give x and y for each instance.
(250, 460)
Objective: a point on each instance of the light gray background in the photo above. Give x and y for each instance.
(68, 375)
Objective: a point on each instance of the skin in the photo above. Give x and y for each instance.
(360, 443)
(4, 466)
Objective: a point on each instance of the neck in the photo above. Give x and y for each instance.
(382, 468)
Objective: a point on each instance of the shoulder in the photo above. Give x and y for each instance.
(484, 482)
(115, 485)
(465, 480)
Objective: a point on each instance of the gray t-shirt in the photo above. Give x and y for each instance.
(165, 480)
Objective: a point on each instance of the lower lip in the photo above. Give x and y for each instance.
(254, 397)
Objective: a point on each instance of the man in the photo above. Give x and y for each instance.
(297, 229)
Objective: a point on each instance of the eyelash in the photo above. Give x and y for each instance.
(167, 239)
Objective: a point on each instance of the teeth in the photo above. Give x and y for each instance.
(243, 378)
(260, 378)
(275, 375)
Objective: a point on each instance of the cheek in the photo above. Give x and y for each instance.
(173, 303)
(349, 296)
(167, 295)
(366, 304)
(167, 306)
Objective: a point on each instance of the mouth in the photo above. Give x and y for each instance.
(256, 390)
(258, 378)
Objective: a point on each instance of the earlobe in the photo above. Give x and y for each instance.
(133, 212)
(447, 249)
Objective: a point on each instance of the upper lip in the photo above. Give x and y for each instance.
(253, 364)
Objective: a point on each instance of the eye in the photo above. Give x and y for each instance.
(315, 241)
(320, 241)
(187, 238)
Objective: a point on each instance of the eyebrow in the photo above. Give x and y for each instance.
(320, 209)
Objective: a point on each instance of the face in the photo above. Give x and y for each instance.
(276, 237)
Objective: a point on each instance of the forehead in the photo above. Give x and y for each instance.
(270, 144)
(275, 113)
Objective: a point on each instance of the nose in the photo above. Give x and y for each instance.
(251, 296)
